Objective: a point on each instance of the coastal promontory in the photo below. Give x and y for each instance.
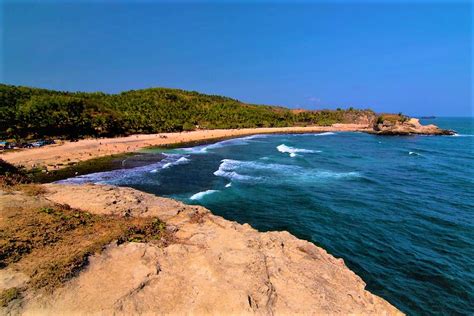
(401, 125)
(202, 264)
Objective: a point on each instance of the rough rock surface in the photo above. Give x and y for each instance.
(214, 267)
(411, 126)
(367, 118)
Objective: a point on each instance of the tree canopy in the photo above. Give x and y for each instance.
(31, 113)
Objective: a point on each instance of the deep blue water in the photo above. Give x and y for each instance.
(399, 210)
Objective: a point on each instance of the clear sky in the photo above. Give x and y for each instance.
(413, 57)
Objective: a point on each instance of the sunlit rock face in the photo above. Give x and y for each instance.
(213, 266)
(410, 126)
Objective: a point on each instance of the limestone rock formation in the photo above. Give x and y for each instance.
(408, 127)
(214, 266)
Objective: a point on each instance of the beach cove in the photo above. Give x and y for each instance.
(234, 174)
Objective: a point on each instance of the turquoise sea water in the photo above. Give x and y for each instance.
(399, 210)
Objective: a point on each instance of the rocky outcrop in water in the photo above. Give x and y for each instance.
(213, 266)
(410, 126)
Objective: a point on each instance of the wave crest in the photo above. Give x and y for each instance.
(227, 170)
(337, 175)
(229, 142)
(202, 194)
(292, 150)
(461, 135)
(132, 175)
(180, 161)
(325, 134)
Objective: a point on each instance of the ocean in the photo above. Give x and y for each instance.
(398, 209)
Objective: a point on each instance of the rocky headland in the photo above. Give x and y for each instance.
(200, 264)
(407, 126)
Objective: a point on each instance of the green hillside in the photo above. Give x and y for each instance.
(32, 113)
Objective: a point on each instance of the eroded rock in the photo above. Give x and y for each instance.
(408, 127)
(215, 266)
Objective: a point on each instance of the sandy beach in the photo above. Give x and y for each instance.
(66, 153)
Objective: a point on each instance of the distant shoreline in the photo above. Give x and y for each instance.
(66, 154)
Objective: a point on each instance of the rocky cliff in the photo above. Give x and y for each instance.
(407, 127)
(211, 266)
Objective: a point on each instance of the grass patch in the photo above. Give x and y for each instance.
(11, 175)
(30, 189)
(8, 295)
(52, 243)
(392, 118)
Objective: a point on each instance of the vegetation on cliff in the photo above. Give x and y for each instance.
(31, 113)
(392, 118)
(48, 243)
(11, 175)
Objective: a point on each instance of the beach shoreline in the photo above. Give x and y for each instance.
(65, 154)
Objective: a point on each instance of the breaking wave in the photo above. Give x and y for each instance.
(230, 142)
(254, 171)
(462, 135)
(134, 175)
(227, 170)
(336, 175)
(292, 151)
(325, 134)
(202, 194)
(180, 161)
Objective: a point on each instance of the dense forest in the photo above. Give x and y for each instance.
(32, 113)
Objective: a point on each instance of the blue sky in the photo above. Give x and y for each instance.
(413, 57)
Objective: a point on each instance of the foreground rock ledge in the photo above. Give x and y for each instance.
(214, 267)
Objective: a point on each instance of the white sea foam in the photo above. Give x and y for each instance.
(116, 176)
(180, 161)
(227, 170)
(336, 175)
(229, 142)
(169, 161)
(135, 175)
(228, 185)
(239, 170)
(255, 136)
(462, 135)
(201, 194)
(292, 151)
(412, 153)
(325, 134)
